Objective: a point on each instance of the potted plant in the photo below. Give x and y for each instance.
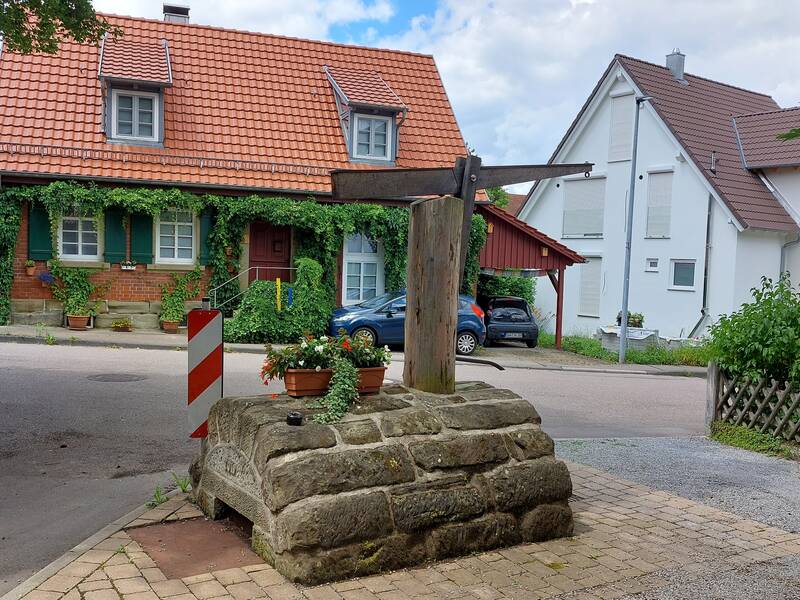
(73, 289)
(122, 324)
(369, 359)
(306, 368)
(634, 319)
(46, 278)
(174, 297)
(30, 268)
(127, 265)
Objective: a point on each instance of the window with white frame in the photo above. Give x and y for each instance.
(584, 207)
(78, 238)
(681, 275)
(659, 204)
(176, 233)
(135, 115)
(621, 137)
(363, 269)
(373, 137)
(591, 287)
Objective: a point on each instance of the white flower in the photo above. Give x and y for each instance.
(301, 362)
(303, 344)
(323, 338)
(386, 348)
(320, 349)
(318, 369)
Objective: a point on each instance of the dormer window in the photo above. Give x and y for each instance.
(135, 115)
(373, 137)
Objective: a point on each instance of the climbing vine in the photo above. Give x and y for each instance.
(9, 226)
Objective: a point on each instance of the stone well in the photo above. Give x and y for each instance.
(406, 477)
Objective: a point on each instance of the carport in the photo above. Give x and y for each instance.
(513, 245)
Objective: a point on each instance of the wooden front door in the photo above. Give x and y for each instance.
(270, 250)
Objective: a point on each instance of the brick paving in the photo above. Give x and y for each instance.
(628, 539)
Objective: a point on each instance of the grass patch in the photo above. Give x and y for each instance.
(742, 437)
(697, 356)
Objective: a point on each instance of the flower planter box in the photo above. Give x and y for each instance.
(77, 322)
(370, 379)
(170, 326)
(122, 328)
(307, 382)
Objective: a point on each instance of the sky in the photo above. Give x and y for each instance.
(518, 71)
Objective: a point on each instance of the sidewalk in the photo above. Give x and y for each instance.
(629, 539)
(510, 357)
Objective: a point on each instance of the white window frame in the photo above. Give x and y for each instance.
(115, 93)
(389, 124)
(567, 181)
(617, 100)
(157, 239)
(582, 313)
(650, 174)
(651, 268)
(682, 288)
(363, 258)
(80, 256)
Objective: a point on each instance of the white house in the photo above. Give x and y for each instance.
(717, 198)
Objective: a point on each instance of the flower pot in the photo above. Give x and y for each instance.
(370, 379)
(77, 322)
(29, 271)
(307, 382)
(170, 326)
(122, 328)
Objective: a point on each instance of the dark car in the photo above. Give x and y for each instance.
(382, 319)
(509, 318)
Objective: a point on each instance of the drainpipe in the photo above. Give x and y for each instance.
(706, 276)
(785, 251)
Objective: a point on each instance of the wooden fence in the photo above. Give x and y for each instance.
(766, 406)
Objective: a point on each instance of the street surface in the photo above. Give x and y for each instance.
(79, 448)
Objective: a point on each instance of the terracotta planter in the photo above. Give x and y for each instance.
(123, 328)
(370, 379)
(77, 322)
(170, 326)
(29, 271)
(307, 382)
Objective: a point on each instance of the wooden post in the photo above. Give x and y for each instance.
(434, 252)
(559, 306)
(712, 394)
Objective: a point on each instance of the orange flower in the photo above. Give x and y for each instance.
(346, 345)
(273, 396)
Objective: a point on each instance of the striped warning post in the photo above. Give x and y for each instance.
(205, 367)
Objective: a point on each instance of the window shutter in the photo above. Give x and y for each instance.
(206, 222)
(584, 203)
(621, 138)
(142, 238)
(114, 236)
(659, 203)
(40, 244)
(591, 278)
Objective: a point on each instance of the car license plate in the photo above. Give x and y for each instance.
(512, 335)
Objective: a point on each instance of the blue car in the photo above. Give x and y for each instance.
(382, 320)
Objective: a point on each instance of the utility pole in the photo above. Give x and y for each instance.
(626, 284)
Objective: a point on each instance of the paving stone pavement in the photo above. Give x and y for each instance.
(629, 540)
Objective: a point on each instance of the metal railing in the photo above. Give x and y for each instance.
(213, 291)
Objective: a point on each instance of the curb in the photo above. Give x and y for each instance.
(70, 555)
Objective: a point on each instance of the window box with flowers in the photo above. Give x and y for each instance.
(338, 369)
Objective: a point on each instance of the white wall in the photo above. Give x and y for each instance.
(757, 253)
(786, 182)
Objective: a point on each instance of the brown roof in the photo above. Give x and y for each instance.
(758, 138)
(700, 115)
(515, 203)
(127, 60)
(365, 87)
(245, 110)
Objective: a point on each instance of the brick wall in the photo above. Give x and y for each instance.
(129, 286)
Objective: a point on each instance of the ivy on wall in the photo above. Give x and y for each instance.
(319, 229)
(9, 227)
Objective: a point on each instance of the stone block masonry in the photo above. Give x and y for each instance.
(406, 477)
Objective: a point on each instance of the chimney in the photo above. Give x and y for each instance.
(176, 13)
(675, 62)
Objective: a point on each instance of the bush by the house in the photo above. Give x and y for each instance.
(507, 285)
(258, 320)
(762, 338)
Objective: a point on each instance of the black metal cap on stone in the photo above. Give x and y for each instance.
(294, 418)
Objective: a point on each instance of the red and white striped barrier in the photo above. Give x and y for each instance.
(205, 367)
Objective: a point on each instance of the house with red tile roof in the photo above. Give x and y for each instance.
(208, 111)
(717, 198)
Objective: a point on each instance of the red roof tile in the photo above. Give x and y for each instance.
(515, 203)
(245, 110)
(364, 87)
(758, 138)
(128, 60)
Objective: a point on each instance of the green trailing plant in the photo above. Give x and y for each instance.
(73, 288)
(762, 338)
(175, 294)
(342, 391)
(507, 285)
(9, 228)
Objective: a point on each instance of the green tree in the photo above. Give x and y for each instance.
(792, 134)
(498, 196)
(41, 25)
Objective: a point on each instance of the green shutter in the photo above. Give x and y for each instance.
(142, 239)
(114, 236)
(40, 245)
(205, 229)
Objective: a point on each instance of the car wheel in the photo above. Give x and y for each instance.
(366, 333)
(466, 343)
(531, 343)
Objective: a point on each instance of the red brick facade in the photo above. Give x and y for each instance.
(128, 286)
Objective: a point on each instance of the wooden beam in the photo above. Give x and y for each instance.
(495, 176)
(355, 184)
(470, 167)
(559, 307)
(434, 248)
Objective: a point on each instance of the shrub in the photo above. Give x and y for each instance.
(507, 285)
(762, 338)
(742, 437)
(312, 304)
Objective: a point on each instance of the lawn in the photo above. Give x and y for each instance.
(586, 346)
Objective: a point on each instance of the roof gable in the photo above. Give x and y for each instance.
(130, 61)
(758, 138)
(245, 110)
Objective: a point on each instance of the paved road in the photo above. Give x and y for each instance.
(77, 453)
